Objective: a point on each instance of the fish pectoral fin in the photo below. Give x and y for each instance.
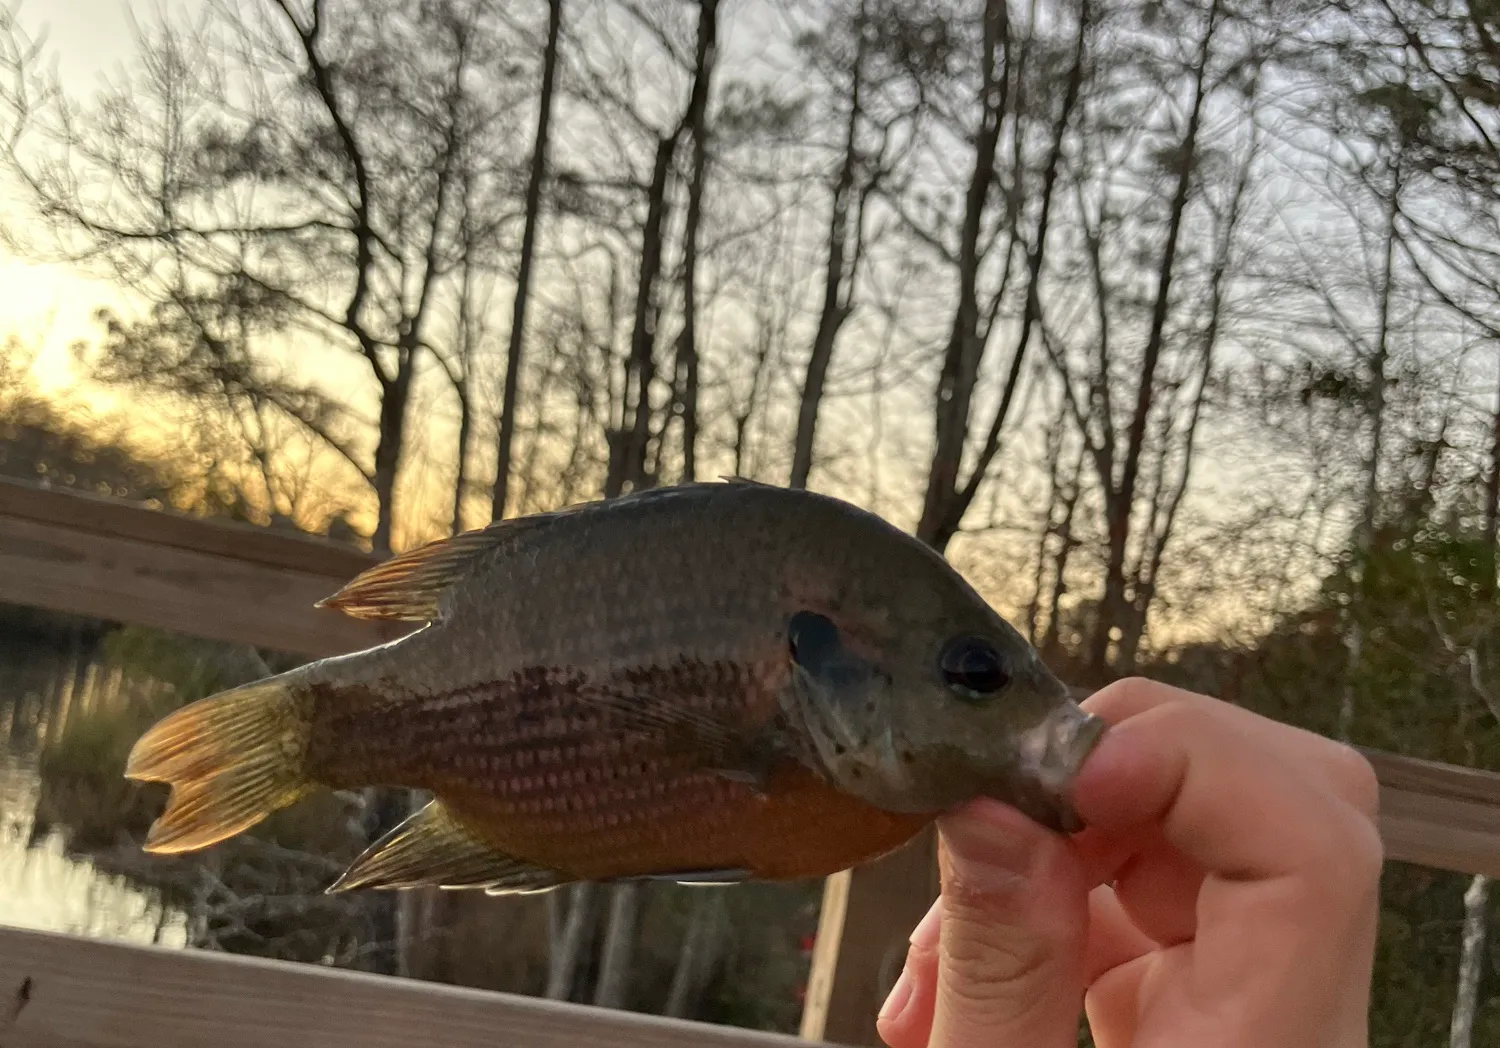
(433, 849)
(508, 885)
(696, 878)
(757, 780)
(753, 761)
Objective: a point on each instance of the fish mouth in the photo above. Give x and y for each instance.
(1050, 756)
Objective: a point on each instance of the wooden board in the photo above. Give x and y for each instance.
(240, 541)
(209, 579)
(867, 916)
(64, 992)
(1438, 815)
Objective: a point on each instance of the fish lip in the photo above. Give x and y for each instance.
(1052, 754)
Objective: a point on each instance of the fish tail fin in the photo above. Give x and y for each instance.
(231, 759)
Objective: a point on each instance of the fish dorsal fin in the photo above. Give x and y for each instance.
(410, 587)
(433, 849)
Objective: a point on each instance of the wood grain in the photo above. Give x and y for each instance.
(64, 992)
(1438, 815)
(204, 579)
(240, 541)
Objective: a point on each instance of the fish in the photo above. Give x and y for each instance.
(709, 683)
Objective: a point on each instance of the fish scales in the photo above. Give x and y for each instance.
(546, 771)
(716, 677)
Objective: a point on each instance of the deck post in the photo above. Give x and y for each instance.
(868, 914)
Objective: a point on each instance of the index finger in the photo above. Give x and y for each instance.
(1343, 767)
(1243, 804)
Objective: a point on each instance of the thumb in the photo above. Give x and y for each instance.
(1014, 924)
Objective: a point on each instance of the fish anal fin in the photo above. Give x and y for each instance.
(433, 849)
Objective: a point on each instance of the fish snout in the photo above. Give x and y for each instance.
(1050, 756)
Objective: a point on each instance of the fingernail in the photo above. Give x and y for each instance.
(896, 1001)
(925, 934)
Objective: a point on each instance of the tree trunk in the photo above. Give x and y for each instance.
(958, 504)
(388, 453)
(628, 454)
(1066, 544)
(463, 383)
(1470, 962)
(534, 183)
(955, 389)
(700, 952)
(567, 949)
(1113, 608)
(836, 296)
(1369, 511)
(619, 946)
(1492, 508)
(461, 477)
(687, 342)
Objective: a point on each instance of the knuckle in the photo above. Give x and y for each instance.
(1127, 693)
(1366, 854)
(1187, 718)
(1136, 685)
(1356, 779)
(1350, 863)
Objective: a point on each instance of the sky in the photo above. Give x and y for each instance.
(51, 306)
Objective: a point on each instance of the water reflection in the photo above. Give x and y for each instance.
(74, 696)
(43, 888)
(51, 672)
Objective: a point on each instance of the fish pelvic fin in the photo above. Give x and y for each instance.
(231, 759)
(433, 849)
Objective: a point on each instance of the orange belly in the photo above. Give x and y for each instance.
(798, 827)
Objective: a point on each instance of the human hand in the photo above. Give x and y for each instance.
(1225, 892)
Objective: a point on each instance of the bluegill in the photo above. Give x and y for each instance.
(706, 683)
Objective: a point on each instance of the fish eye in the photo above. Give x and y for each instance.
(811, 638)
(975, 669)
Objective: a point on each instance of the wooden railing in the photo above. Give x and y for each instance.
(237, 583)
(62, 992)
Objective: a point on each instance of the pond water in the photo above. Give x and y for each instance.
(43, 888)
(51, 672)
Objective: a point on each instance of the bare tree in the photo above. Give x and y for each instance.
(961, 359)
(857, 179)
(534, 182)
(1120, 485)
(696, 124)
(312, 196)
